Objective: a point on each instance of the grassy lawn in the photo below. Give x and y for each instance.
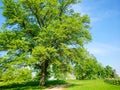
(90, 85)
(30, 85)
(24, 86)
(74, 85)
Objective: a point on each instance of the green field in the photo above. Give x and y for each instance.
(73, 85)
(90, 85)
(30, 85)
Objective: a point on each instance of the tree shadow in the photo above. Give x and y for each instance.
(55, 82)
(31, 85)
(73, 85)
(23, 86)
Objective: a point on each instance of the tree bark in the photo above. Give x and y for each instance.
(43, 73)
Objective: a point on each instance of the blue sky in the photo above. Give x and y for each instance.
(105, 22)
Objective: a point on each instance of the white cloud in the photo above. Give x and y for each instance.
(96, 50)
(93, 19)
(94, 13)
(104, 15)
(102, 49)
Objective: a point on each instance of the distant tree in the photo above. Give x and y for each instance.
(41, 34)
(110, 72)
(88, 68)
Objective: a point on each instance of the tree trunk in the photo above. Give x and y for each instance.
(43, 73)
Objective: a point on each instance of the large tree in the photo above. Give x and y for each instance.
(43, 34)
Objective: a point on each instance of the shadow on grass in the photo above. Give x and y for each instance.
(23, 86)
(55, 82)
(30, 85)
(73, 85)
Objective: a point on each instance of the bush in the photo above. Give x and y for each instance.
(115, 81)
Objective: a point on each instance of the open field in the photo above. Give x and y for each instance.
(90, 85)
(71, 85)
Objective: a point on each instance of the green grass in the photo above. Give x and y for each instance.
(90, 85)
(30, 85)
(74, 85)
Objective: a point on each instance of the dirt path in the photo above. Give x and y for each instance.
(58, 87)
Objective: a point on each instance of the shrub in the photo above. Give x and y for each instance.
(115, 81)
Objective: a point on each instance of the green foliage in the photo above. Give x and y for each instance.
(88, 68)
(38, 33)
(13, 68)
(115, 81)
(10, 76)
(110, 72)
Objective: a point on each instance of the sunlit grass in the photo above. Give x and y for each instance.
(73, 85)
(90, 85)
